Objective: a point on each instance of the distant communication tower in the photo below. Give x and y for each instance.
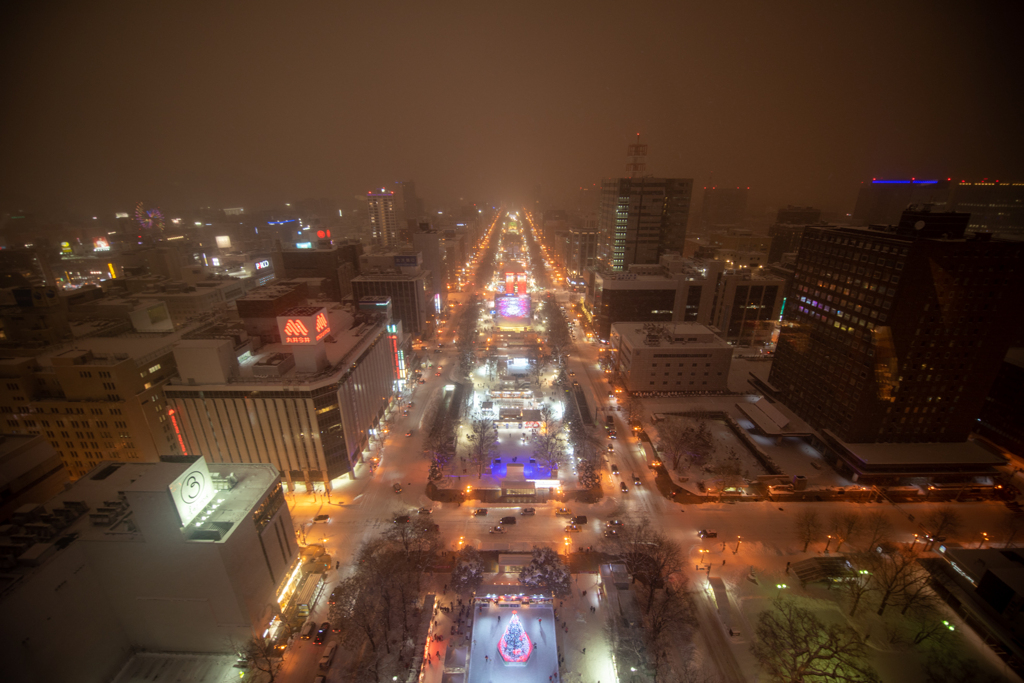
(637, 154)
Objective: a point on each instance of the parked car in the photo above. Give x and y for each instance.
(497, 529)
(328, 656)
(508, 520)
(424, 511)
(397, 488)
(335, 594)
(707, 533)
(623, 487)
(527, 511)
(307, 630)
(480, 512)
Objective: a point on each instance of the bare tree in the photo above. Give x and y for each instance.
(808, 526)
(667, 621)
(260, 654)
(794, 646)
(649, 555)
(855, 587)
(844, 526)
(483, 442)
(877, 529)
(438, 448)
(672, 442)
(943, 521)
(890, 573)
(468, 571)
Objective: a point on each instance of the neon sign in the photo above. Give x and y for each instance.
(177, 432)
(304, 326)
(260, 265)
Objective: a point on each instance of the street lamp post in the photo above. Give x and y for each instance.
(916, 539)
(828, 543)
(739, 539)
(984, 539)
(780, 586)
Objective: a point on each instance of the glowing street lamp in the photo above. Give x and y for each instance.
(828, 543)
(738, 540)
(780, 586)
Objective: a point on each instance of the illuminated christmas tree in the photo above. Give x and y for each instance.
(515, 646)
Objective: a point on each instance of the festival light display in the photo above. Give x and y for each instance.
(514, 646)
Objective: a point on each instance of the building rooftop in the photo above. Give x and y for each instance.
(667, 334)
(967, 452)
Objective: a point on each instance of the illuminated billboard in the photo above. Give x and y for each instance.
(303, 325)
(192, 491)
(513, 308)
(100, 244)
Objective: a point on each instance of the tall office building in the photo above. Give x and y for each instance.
(641, 218)
(896, 334)
(883, 201)
(995, 207)
(408, 206)
(383, 221)
(723, 206)
(788, 229)
(580, 251)
(334, 263)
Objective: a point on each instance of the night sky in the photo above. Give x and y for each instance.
(254, 104)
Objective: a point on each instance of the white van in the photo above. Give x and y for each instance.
(328, 656)
(307, 630)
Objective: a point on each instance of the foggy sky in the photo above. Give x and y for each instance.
(254, 104)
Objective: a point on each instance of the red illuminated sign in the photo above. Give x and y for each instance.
(296, 332)
(174, 421)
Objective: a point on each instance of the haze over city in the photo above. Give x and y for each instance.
(227, 105)
(647, 342)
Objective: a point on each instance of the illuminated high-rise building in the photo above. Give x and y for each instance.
(383, 221)
(640, 219)
(896, 334)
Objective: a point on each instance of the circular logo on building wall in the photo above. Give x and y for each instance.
(192, 487)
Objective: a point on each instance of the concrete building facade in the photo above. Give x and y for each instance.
(173, 556)
(670, 357)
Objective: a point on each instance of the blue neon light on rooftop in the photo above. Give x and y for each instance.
(904, 182)
(281, 222)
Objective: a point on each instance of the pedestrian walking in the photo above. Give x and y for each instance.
(584, 650)
(723, 563)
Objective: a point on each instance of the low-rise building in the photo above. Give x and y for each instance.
(670, 357)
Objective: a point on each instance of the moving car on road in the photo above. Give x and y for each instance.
(397, 488)
(479, 512)
(424, 511)
(409, 433)
(508, 520)
(615, 523)
(322, 633)
(497, 529)
(707, 533)
(636, 480)
(571, 527)
(322, 518)
(615, 468)
(623, 487)
(528, 511)
(402, 519)
(563, 512)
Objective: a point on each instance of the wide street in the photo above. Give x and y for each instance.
(755, 541)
